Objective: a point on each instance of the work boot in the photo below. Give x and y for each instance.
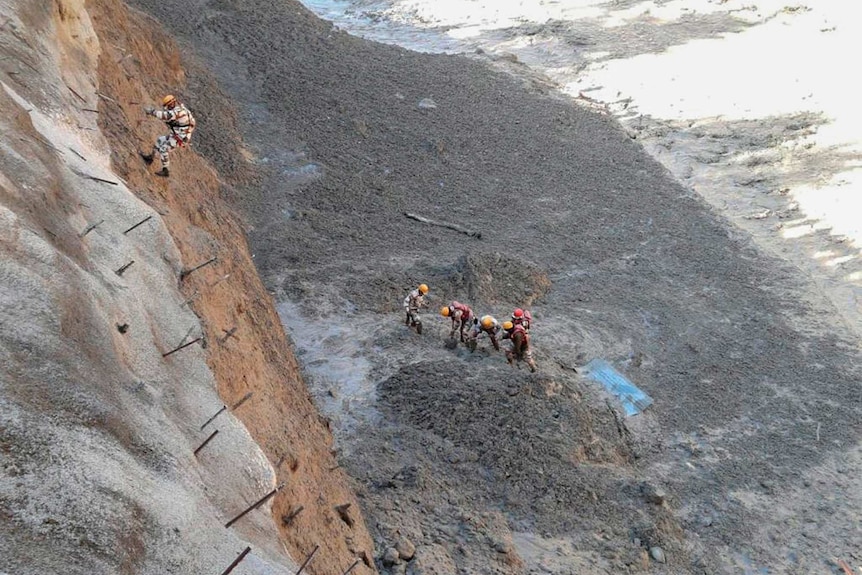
(147, 158)
(164, 172)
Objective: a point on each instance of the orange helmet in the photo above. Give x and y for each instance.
(445, 311)
(169, 101)
(487, 322)
(507, 325)
(423, 289)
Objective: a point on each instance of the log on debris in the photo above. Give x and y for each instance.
(455, 227)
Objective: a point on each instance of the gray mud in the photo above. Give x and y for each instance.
(755, 381)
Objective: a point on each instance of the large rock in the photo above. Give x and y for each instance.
(406, 549)
(653, 493)
(391, 557)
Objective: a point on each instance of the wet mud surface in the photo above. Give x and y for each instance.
(756, 385)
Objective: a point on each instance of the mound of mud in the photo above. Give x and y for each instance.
(479, 278)
(496, 278)
(533, 437)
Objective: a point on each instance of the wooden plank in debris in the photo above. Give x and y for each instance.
(455, 227)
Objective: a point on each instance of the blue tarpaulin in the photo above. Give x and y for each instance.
(633, 399)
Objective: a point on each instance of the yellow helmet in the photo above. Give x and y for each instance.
(487, 321)
(423, 289)
(445, 311)
(507, 325)
(169, 100)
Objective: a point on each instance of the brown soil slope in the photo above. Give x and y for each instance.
(138, 65)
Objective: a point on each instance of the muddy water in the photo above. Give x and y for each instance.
(334, 357)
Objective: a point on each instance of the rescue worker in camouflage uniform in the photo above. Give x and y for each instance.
(520, 348)
(181, 122)
(522, 317)
(487, 325)
(460, 314)
(414, 301)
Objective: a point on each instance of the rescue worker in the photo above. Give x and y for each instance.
(460, 314)
(487, 325)
(522, 317)
(414, 301)
(520, 348)
(181, 122)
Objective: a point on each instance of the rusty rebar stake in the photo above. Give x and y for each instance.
(120, 271)
(236, 561)
(308, 559)
(103, 180)
(143, 221)
(195, 340)
(245, 398)
(288, 519)
(208, 421)
(184, 274)
(228, 333)
(207, 440)
(90, 228)
(77, 95)
(254, 506)
(76, 153)
(352, 567)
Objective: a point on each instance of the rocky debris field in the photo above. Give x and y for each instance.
(489, 470)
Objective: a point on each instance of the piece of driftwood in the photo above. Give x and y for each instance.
(455, 227)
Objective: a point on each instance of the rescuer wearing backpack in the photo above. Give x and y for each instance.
(414, 301)
(487, 325)
(460, 314)
(181, 122)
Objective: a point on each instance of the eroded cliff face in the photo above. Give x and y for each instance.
(97, 424)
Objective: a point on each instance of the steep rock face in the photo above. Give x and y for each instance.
(97, 424)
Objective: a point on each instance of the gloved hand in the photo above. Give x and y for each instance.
(149, 110)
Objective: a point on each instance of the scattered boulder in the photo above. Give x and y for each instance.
(406, 549)
(653, 493)
(427, 104)
(657, 554)
(391, 557)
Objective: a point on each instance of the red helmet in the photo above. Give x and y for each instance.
(518, 313)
